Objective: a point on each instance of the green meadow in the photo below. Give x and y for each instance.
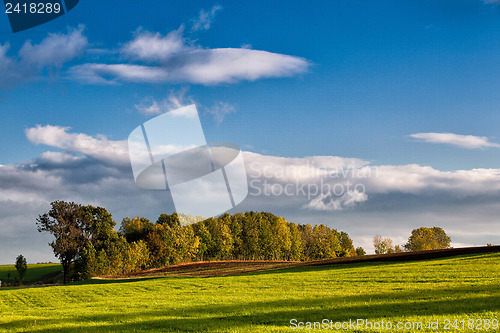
(460, 288)
(35, 273)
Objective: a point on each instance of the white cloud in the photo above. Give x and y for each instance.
(196, 66)
(463, 141)
(148, 46)
(56, 49)
(205, 19)
(334, 183)
(100, 148)
(51, 52)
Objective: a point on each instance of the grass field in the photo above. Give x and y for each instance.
(34, 273)
(462, 288)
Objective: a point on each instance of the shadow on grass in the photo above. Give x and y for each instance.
(245, 316)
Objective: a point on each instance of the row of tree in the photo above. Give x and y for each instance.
(86, 239)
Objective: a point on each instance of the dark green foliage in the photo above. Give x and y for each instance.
(360, 251)
(86, 265)
(137, 228)
(66, 222)
(21, 266)
(85, 237)
(169, 220)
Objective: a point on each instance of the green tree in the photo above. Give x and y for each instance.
(324, 243)
(282, 237)
(221, 239)
(398, 249)
(266, 237)
(21, 266)
(306, 232)
(296, 243)
(236, 232)
(98, 226)
(65, 221)
(85, 265)
(360, 251)
(170, 220)
(250, 236)
(160, 245)
(346, 245)
(423, 238)
(136, 228)
(205, 239)
(136, 257)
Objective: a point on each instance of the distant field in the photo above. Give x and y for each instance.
(35, 273)
(461, 288)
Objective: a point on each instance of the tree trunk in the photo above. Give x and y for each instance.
(66, 267)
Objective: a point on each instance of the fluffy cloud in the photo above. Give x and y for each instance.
(148, 46)
(335, 183)
(52, 52)
(462, 141)
(56, 49)
(99, 148)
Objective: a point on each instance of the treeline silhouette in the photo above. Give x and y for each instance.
(87, 241)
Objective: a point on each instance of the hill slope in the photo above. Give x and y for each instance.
(461, 288)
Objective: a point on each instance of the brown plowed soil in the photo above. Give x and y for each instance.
(231, 267)
(212, 268)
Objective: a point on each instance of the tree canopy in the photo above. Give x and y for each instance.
(423, 238)
(73, 226)
(21, 266)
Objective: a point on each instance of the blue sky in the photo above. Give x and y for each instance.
(390, 83)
